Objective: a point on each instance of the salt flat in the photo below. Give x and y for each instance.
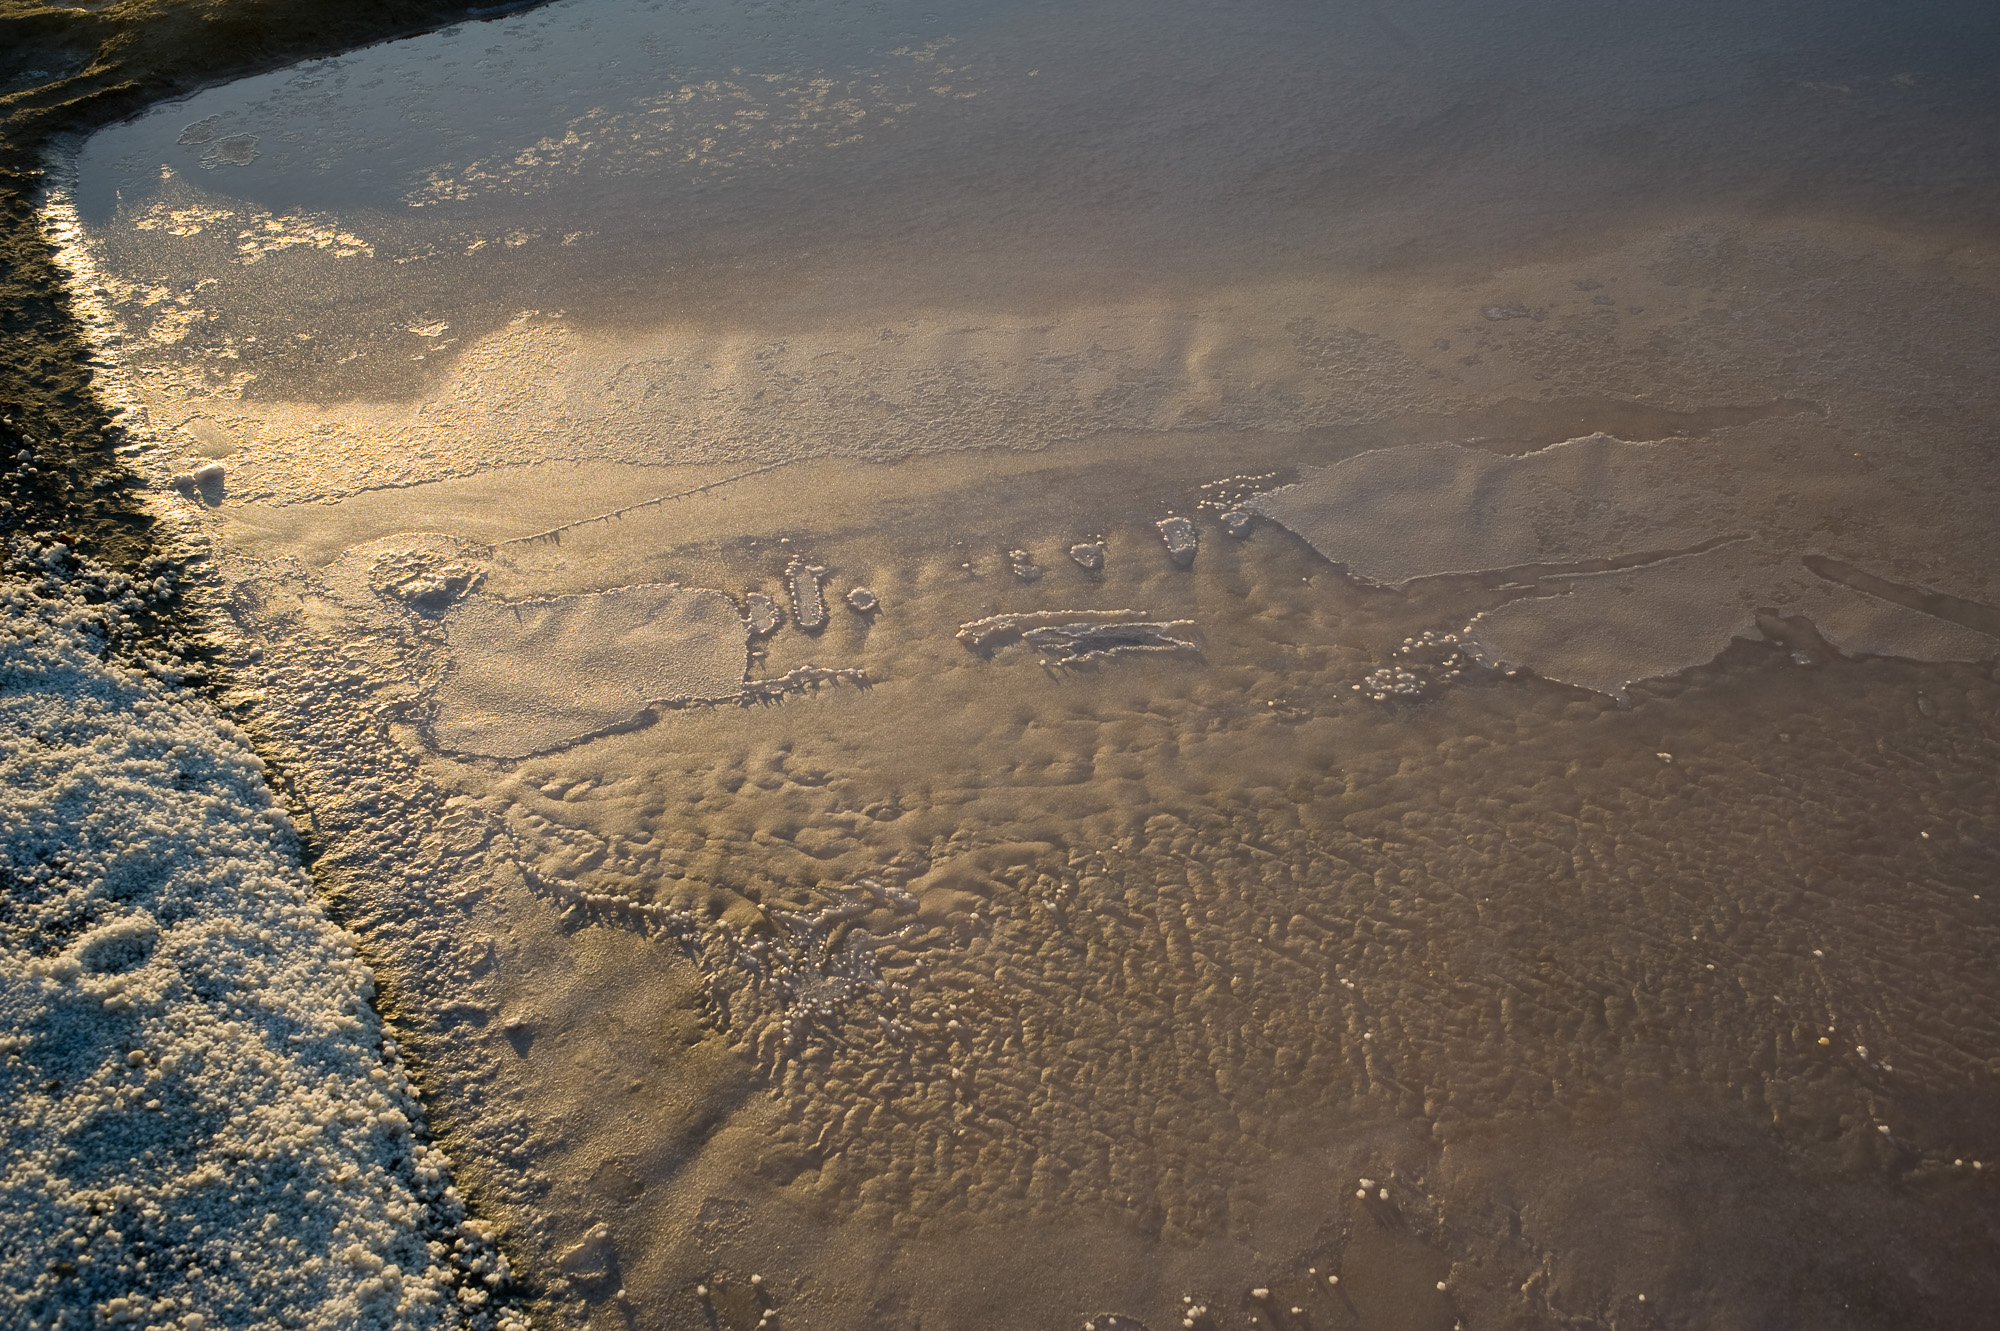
(1452, 763)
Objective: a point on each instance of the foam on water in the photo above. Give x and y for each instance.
(1075, 636)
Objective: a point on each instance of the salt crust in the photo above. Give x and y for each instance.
(1609, 630)
(205, 1126)
(534, 675)
(1393, 515)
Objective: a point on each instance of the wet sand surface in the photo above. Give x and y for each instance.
(1382, 704)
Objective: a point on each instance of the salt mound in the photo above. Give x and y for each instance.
(1088, 555)
(1612, 629)
(1072, 636)
(1181, 537)
(424, 571)
(762, 614)
(204, 1126)
(808, 601)
(529, 676)
(1418, 511)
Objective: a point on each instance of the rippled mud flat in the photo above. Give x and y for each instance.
(930, 719)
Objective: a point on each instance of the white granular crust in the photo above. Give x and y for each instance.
(204, 1124)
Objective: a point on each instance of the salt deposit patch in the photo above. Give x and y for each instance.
(1075, 636)
(762, 613)
(1612, 629)
(808, 601)
(529, 676)
(1424, 510)
(1089, 555)
(421, 571)
(204, 1125)
(1181, 538)
(1418, 511)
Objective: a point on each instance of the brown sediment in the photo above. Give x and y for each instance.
(1219, 940)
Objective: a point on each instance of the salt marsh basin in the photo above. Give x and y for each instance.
(1520, 734)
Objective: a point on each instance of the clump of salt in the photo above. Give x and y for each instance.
(808, 602)
(762, 614)
(1088, 554)
(1181, 538)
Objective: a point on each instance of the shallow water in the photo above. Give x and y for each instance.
(1048, 938)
